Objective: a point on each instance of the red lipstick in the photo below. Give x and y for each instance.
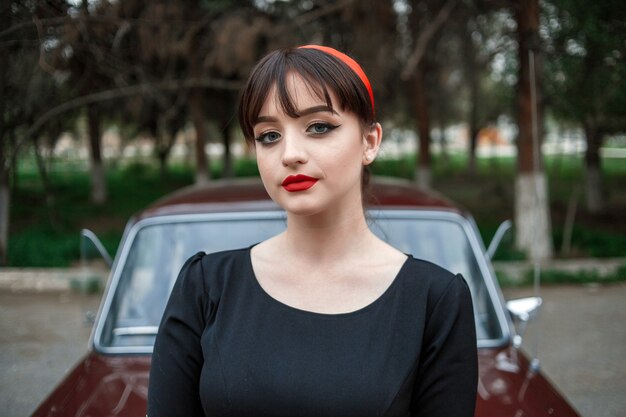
(298, 182)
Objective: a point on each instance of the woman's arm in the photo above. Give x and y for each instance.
(177, 357)
(447, 374)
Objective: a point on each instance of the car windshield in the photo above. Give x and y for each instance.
(158, 250)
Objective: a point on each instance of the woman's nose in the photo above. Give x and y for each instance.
(294, 151)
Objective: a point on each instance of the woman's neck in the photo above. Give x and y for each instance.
(326, 237)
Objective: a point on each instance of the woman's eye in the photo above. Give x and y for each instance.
(320, 128)
(268, 137)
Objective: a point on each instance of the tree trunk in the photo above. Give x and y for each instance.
(532, 213)
(443, 143)
(5, 200)
(532, 219)
(227, 162)
(98, 181)
(422, 169)
(593, 171)
(165, 137)
(472, 76)
(162, 155)
(197, 114)
(47, 187)
(5, 155)
(473, 125)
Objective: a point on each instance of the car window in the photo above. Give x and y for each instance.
(158, 251)
(443, 242)
(151, 267)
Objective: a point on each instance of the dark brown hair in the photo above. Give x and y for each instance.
(320, 71)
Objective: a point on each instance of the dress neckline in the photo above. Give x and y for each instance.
(361, 310)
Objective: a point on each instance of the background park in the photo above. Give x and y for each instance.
(513, 109)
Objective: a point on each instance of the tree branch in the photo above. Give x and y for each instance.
(424, 37)
(18, 26)
(42, 60)
(315, 14)
(169, 85)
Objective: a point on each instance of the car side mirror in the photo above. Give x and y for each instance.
(523, 310)
(497, 238)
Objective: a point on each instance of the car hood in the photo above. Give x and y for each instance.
(101, 386)
(508, 387)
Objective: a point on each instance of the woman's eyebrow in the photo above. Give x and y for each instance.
(263, 119)
(317, 109)
(304, 112)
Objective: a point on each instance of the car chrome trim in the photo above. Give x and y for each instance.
(497, 238)
(136, 330)
(93, 238)
(492, 286)
(467, 223)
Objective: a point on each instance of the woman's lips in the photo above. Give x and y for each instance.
(298, 182)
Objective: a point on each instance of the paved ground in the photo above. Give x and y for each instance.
(41, 336)
(581, 341)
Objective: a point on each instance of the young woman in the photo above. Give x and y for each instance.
(324, 319)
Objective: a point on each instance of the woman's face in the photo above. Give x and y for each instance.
(312, 163)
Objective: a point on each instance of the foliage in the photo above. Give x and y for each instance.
(152, 69)
(39, 238)
(585, 69)
(598, 243)
(586, 76)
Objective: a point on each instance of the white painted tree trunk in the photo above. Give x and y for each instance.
(202, 176)
(532, 216)
(5, 205)
(98, 183)
(423, 178)
(593, 191)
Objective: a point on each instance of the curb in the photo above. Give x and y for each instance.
(516, 270)
(66, 279)
(49, 279)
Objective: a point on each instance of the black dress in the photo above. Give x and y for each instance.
(227, 348)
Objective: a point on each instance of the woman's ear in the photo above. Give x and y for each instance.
(371, 142)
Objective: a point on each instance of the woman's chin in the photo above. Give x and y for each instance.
(302, 210)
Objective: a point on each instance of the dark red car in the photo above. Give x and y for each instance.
(112, 379)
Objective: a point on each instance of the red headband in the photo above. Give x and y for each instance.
(354, 66)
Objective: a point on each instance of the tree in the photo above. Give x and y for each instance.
(79, 54)
(488, 34)
(200, 40)
(5, 149)
(5, 142)
(24, 92)
(532, 212)
(426, 20)
(586, 76)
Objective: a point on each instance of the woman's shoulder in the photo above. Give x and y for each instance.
(210, 271)
(432, 278)
(429, 270)
(225, 257)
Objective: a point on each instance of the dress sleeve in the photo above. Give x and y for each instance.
(447, 374)
(177, 358)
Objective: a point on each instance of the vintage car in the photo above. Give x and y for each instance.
(112, 379)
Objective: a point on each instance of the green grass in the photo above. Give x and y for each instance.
(47, 234)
